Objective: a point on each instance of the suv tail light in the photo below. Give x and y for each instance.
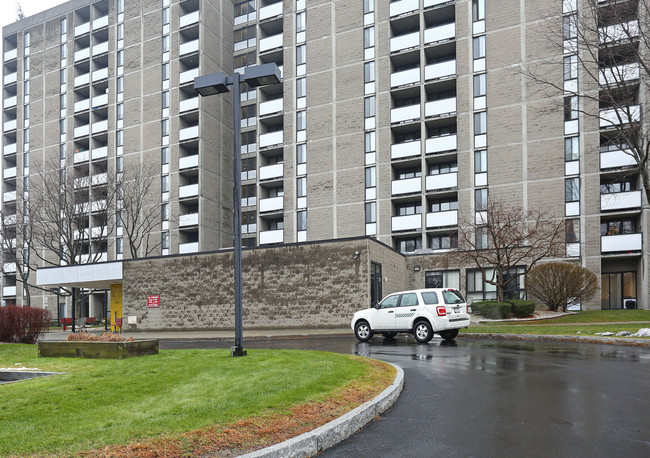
(441, 310)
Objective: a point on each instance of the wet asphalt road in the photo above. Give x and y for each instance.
(494, 398)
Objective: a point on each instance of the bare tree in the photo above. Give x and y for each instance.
(605, 46)
(508, 236)
(139, 210)
(560, 284)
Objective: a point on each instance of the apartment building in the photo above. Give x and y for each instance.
(397, 120)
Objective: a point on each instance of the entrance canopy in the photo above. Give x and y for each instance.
(97, 276)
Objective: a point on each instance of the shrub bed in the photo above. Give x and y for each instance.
(22, 324)
(493, 309)
(105, 337)
(522, 308)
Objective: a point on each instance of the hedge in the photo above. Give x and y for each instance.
(522, 308)
(22, 324)
(493, 309)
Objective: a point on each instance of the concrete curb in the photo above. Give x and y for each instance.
(323, 437)
(552, 338)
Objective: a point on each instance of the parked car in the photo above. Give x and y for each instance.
(422, 312)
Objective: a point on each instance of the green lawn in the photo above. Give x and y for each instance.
(101, 402)
(600, 316)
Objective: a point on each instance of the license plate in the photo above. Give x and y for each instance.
(456, 309)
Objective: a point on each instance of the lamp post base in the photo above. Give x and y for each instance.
(237, 351)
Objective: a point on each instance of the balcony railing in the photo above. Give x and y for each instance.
(100, 100)
(81, 105)
(404, 114)
(188, 104)
(410, 76)
(442, 219)
(441, 144)
(82, 29)
(100, 74)
(100, 22)
(9, 267)
(440, 107)
(269, 172)
(274, 236)
(442, 181)
(188, 132)
(10, 78)
(440, 70)
(620, 201)
(11, 54)
(273, 10)
(403, 6)
(610, 117)
(408, 149)
(188, 76)
(271, 139)
(406, 223)
(406, 186)
(100, 126)
(189, 47)
(271, 204)
(100, 48)
(616, 158)
(100, 152)
(9, 291)
(189, 219)
(619, 74)
(9, 149)
(9, 172)
(10, 125)
(81, 79)
(271, 106)
(440, 33)
(269, 43)
(406, 41)
(190, 190)
(9, 196)
(10, 102)
(619, 32)
(428, 3)
(188, 162)
(621, 243)
(82, 54)
(188, 19)
(192, 247)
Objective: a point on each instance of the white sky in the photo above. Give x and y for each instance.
(29, 7)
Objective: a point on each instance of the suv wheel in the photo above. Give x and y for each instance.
(449, 334)
(362, 331)
(422, 332)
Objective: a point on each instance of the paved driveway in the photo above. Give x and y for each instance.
(498, 398)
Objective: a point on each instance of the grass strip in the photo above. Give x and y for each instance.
(576, 329)
(595, 316)
(100, 404)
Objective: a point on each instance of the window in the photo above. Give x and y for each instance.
(410, 245)
(276, 192)
(165, 71)
(478, 10)
(26, 88)
(409, 300)
(26, 112)
(64, 26)
(61, 151)
(244, 7)
(164, 155)
(571, 149)
(276, 225)
(389, 302)
(64, 51)
(369, 142)
(430, 297)
(62, 101)
(301, 120)
(120, 84)
(244, 60)
(369, 37)
(481, 199)
(570, 68)
(371, 212)
(617, 227)
(443, 242)
(481, 238)
(165, 241)
(368, 6)
(25, 184)
(120, 6)
(248, 191)
(164, 212)
(301, 222)
(301, 87)
(248, 138)
(62, 76)
(25, 160)
(479, 47)
(119, 111)
(244, 34)
(442, 279)
(445, 167)
(371, 178)
(62, 126)
(570, 27)
(444, 205)
(480, 123)
(164, 129)
(118, 246)
(165, 43)
(118, 219)
(300, 21)
(369, 107)
(301, 153)
(120, 58)
(369, 72)
(480, 161)
(164, 183)
(119, 164)
(572, 230)
(572, 189)
(409, 209)
(570, 108)
(410, 173)
(619, 186)
(165, 16)
(301, 187)
(479, 85)
(248, 111)
(25, 136)
(120, 31)
(27, 40)
(301, 54)
(119, 138)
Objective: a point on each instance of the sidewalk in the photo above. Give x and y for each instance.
(227, 335)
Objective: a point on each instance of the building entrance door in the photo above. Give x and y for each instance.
(618, 290)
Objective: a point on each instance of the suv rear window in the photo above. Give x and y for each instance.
(430, 298)
(452, 297)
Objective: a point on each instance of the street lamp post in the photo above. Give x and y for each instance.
(217, 83)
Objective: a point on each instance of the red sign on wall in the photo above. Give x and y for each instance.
(153, 301)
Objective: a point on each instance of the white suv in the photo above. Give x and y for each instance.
(421, 312)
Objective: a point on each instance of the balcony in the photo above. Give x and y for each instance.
(271, 139)
(190, 190)
(406, 186)
(81, 80)
(81, 105)
(100, 74)
(98, 153)
(621, 243)
(273, 10)
(11, 54)
(406, 77)
(82, 54)
(271, 107)
(406, 223)
(402, 150)
(269, 172)
(81, 182)
(100, 48)
(628, 200)
(188, 48)
(9, 172)
(188, 104)
(619, 74)
(81, 156)
(10, 78)
(9, 149)
(100, 126)
(619, 32)
(9, 267)
(9, 291)
(188, 19)
(435, 145)
(440, 33)
(9, 196)
(269, 43)
(188, 133)
(100, 22)
(184, 248)
(403, 7)
(271, 204)
(616, 159)
(189, 219)
(440, 107)
(98, 205)
(406, 41)
(100, 101)
(10, 125)
(611, 117)
(442, 219)
(99, 179)
(429, 3)
(439, 70)
(10, 220)
(188, 76)
(92, 258)
(275, 236)
(82, 29)
(188, 162)
(405, 114)
(442, 181)
(10, 102)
